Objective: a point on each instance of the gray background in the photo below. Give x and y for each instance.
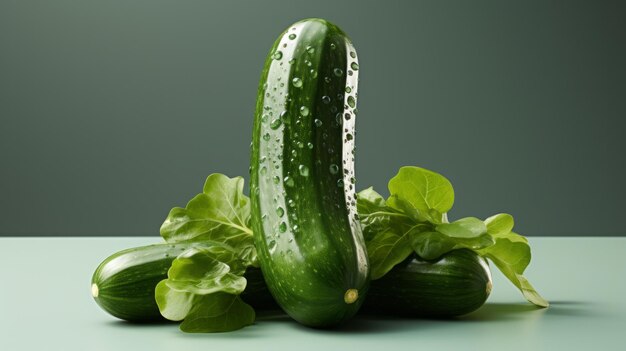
(112, 112)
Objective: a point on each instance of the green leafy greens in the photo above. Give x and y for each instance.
(203, 288)
(220, 213)
(204, 283)
(414, 219)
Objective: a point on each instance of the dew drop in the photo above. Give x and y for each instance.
(304, 170)
(334, 169)
(264, 118)
(276, 179)
(292, 36)
(263, 170)
(300, 145)
(338, 72)
(347, 116)
(292, 61)
(297, 82)
(340, 183)
(355, 66)
(348, 90)
(333, 46)
(351, 101)
(352, 54)
(283, 116)
(304, 111)
(271, 245)
(291, 203)
(282, 227)
(326, 99)
(327, 79)
(310, 50)
(280, 211)
(288, 181)
(349, 136)
(266, 136)
(277, 55)
(310, 146)
(318, 122)
(295, 229)
(275, 123)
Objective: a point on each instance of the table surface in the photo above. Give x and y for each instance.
(45, 304)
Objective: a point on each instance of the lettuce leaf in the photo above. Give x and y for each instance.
(414, 219)
(203, 288)
(220, 213)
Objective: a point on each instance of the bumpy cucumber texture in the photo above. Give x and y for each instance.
(305, 223)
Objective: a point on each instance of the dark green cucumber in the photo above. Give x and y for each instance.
(304, 218)
(123, 284)
(457, 283)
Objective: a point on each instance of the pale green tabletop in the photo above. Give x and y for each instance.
(45, 304)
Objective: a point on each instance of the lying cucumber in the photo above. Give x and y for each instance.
(123, 284)
(304, 218)
(457, 283)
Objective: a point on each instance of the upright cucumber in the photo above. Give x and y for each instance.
(123, 284)
(304, 218)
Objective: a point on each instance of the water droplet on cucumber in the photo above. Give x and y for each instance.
(333, 169)
(304, 170)
(304, 111)
(289, 181)
(275, 123)
(351, 101)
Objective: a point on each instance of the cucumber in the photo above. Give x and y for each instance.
(457, 283)
(123, 284)
(304, 218)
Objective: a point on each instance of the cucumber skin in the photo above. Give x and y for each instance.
(453, 285)
(126, 282)
(457, 283)
(318, 255)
